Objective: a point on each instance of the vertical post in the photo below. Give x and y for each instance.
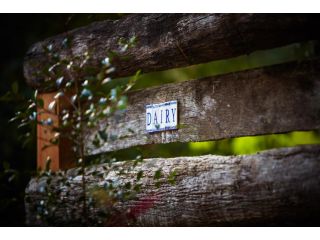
(61, 154)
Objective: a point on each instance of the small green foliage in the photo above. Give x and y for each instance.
(131, 130)
(158, 184)
(103, 135)
(93, 96)
(158, 174)
(113, 137)
(122, 103)
(127, 186)
(172, 177)
(137, 188)
(139, 175)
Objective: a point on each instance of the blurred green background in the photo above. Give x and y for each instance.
(18, 162)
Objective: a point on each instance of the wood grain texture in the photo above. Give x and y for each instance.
(275, 99)
(173, 40)
(61, 154)
(274, 187)
(45, 149)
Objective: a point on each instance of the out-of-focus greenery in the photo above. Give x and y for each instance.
(17, 163)
(292, 52)
(253, 144)
(233, 146)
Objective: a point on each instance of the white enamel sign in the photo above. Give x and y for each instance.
(162, 116)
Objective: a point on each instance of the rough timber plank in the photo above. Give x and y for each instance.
(174, 40)
(275, 187)
(275, 99)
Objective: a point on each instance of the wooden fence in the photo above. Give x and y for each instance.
(273, 187)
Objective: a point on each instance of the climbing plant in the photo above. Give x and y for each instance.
(90, 95)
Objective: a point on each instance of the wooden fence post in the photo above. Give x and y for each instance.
(61, 154)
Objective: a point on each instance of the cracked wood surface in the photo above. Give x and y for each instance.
(173, 40)
(274, 187)
(274, 99)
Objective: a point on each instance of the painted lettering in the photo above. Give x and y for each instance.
(155, 120)
(167, 116)
(161, 116)
(148, 118)
(173, 110)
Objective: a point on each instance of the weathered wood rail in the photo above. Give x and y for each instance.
(273, 187)
(175, 40)
(279, 186)
(274, 99)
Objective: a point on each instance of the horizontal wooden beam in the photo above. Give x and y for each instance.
(275, 99)
(275, 187)
(173, 40)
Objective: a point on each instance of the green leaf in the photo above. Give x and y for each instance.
(137, 187)
(137, 160)
(122, 103)
(59, 81)
(66, 43)
(86, 93)
(106, 80)
(157, 174)
(122, 41)
(106, 62)
(54, 141)
(31, 106)
(48, 162)
(172, 177)
(35, 95)
(33, 116)
(133, 80)
(102, 100)
(139, 175)
(96, 141)
(40, 102)
(100, 76)
(127, 185)
(23, 124)
(103, 135)
(12, 177)
(113, 94)
(133, 40)
(49, 47)
(131, 130)
(14, 119)
(52, 105)
(113, 137)
(158, 184)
